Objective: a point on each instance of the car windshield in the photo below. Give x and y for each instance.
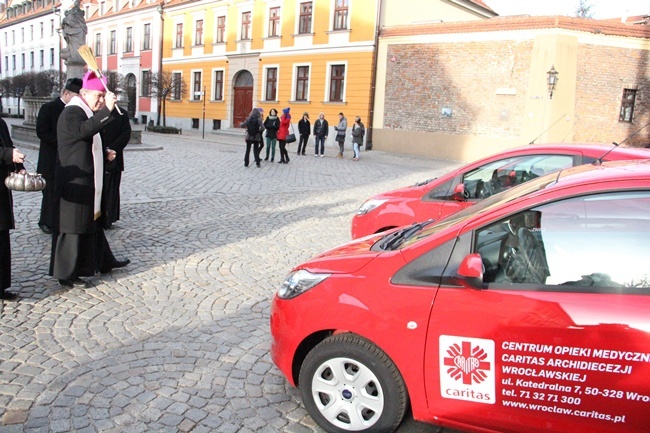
(483, 206)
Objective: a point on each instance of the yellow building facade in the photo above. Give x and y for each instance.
(313, 56)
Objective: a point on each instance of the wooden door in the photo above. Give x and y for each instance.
(243, 104)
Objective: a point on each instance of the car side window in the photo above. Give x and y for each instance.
(498, 176)
(587, 243)
(441, 192)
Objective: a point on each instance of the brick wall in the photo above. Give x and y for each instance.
(422, 79)
(603, 73)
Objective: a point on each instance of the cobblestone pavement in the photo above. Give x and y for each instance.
(178, 341)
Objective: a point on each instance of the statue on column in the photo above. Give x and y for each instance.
(74, 29)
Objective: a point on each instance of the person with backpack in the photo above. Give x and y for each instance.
(254, 128)
(358, 131)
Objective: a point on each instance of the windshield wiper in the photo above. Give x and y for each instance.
(395, 240)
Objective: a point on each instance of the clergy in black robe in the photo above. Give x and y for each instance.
(46, 122)
(115, 136)
(10, 159)
(79, 247)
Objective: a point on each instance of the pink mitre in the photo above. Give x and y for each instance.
(92, 82)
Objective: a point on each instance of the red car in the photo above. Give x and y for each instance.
(528, 313)
(437, 198)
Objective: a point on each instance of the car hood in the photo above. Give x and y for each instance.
(405, 192)
(345, 259)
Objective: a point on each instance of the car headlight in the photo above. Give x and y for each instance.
(299, 282)
(370, 205)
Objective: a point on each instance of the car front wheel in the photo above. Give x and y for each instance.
(348, 384)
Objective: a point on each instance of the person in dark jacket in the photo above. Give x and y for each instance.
(272, 124)
(358, 131)
(46, 121)
(10, 159)
(340, 133)
(285, 122)
(254, 128)
(79, 245)
(115, 137)
(321, 130)
(304, 129)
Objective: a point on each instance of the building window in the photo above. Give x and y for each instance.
(176, 86)
(51, 27)
(13, 62)
(13, 37)
(42, 57)
(179, 35)
(337, 81)
(42, 30)
(22, 34)
(31, 60)
(302, 83)
(98, 44)
(627, 105)
(218, 85)
(128, 45)
(22, 61)
(245, 26)
(304, 25)
(271, 84)
(51, 56)
(31, 32)
(221, 29)
(341, 15)
(146, 84)
(198, 34)
(113, 45)
(146, 37)
(274, 21)
(196, 85)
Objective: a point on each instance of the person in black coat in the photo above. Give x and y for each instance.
(254, 129)
(304, 129)
(271, 124)
(48, 116)
(79, 246)
(115, 137)
(10, 159)
(321, 130)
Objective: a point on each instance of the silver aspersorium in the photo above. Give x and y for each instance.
(25, 182)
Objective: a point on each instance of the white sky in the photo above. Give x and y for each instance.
(601, 8)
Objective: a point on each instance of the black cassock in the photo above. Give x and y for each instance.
(115, 136)
(6, 205)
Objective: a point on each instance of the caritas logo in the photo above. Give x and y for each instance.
(467, 369)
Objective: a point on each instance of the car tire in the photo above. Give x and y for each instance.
(349, 384)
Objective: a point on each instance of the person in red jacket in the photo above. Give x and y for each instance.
(285, 122)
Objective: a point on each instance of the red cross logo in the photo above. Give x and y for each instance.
(467, 363)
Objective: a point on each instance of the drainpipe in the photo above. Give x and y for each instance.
(373, 79)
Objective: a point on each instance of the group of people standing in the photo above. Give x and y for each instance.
(276, 130)
(82, 139)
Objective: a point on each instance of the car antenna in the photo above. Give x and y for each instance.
(599, 161)
(543, 132)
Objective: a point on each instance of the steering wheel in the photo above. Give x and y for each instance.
(532, 254)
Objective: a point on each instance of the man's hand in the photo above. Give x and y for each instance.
(110, 154)
(18, 158)
(109, 100)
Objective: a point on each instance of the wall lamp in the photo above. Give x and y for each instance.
(551, 80)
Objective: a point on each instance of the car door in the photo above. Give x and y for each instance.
(481, 182)
(558, 338)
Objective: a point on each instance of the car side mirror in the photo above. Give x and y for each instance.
(470, 271)
(459, 192)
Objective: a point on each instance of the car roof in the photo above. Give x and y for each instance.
(592, 149)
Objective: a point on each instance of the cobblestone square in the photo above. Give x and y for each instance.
(178, 341)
